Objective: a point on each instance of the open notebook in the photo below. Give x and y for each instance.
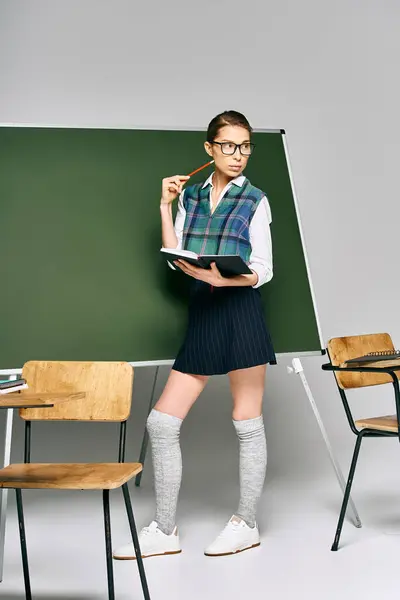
(227, 264)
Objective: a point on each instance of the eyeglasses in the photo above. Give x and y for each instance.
(229, 148)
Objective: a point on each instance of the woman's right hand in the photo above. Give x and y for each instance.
(172, 187)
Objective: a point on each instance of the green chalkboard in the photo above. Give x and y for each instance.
(80, 269)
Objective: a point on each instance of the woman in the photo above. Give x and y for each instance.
(226, 334)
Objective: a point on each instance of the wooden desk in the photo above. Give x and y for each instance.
(26, 399)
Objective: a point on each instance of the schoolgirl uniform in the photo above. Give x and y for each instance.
(226, 326)
(226, 331)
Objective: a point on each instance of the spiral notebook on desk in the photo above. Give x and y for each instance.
(375, 357)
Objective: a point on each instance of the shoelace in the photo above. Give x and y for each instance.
(231, 525)
(150, 529)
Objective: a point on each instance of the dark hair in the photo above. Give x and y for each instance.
(229, 117)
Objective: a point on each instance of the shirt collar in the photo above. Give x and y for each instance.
(239, 181)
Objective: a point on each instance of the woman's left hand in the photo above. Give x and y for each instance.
(211, 276)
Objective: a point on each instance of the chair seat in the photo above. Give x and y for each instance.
(386, 423)
(68, 476)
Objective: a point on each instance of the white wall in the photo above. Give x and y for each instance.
(327, 72)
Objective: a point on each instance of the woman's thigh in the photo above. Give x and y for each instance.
(247, 388)
(180, 393)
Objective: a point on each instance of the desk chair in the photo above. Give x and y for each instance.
(108, 395)
(345, 348)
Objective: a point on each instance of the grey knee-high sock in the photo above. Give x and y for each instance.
(167, 465)
(253, 464)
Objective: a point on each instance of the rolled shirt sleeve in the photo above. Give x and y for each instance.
(179, 225)
(261, 243)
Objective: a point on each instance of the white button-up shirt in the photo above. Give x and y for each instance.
(259, 230)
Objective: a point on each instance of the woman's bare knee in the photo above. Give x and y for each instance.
(180, 393)
(245, 410)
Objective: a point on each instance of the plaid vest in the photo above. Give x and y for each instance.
(226, 231)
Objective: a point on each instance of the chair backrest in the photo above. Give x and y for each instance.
(345, 348)
(107, 387)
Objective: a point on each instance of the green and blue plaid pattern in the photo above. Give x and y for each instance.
(226, 231)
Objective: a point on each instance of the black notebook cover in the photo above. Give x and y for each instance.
(228, 265)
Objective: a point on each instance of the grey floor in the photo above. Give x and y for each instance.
(297, 517)
(65, 537)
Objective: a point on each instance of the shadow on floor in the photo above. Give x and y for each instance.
(50, 596)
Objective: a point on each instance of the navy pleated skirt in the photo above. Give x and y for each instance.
(226, 331)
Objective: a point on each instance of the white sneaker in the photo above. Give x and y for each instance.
(152, 542)
(236, 537)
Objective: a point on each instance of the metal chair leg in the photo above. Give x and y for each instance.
(335, 544)
(142, 457)
(107, 529)
(24, 553)
(135, 540)
(145, 440)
